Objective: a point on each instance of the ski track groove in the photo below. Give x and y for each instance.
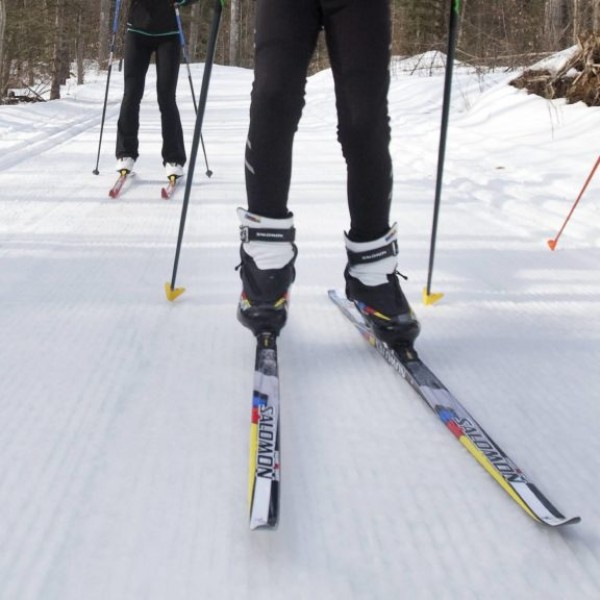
(69, 456)
(49, 140)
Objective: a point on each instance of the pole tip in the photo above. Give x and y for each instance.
(431, 298)
(552, 244)
(172, 293)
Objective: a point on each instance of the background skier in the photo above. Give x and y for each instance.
(151, 29)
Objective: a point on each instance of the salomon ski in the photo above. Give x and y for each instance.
(263, 473)
(462, 425)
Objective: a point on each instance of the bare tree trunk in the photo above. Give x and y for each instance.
(247, 34)
(79, 49)
(463, 10)
(103, 33)
(556, 23)
(194, 37)
(58, 54)
(2, 30)
(586, 18)
(234, 34)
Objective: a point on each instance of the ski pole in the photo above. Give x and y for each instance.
(110, 61)
(186, 56)
(170, 289)
(552, 243)
(428, 297)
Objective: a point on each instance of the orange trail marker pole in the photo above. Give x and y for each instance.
(552, 243)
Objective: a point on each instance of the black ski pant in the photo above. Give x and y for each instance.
(358, 38)
(138, 52)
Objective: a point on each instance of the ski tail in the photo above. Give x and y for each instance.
(264, 465)
(462, 425)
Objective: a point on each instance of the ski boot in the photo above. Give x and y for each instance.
(173, 170)
(125, 164)
(372, 284)
(267, 271)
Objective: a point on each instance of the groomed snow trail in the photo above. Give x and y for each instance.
(125, 418)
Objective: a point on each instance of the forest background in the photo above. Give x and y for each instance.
(44, 42)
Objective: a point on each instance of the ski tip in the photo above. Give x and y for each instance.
(173, 293)
(429, 298)
(551, 244)
(269, 526)
(559, 522)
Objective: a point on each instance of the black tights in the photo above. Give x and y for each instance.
(358, 38)
(138, 52)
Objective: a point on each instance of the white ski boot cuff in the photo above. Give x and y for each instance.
(270, 242)
(372, 262)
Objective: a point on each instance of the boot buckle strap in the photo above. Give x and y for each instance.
(254, 234)
(370, 256)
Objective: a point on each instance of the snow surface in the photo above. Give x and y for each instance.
(125, 418)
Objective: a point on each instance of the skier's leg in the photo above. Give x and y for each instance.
(286, 34)
(137, 60)
(358, 39)
(168, 56)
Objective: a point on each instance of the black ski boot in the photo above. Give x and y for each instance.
(267, 270)
(372, 284)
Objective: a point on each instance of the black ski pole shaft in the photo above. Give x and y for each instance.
(110, 61)
(172, 293)
(186, 56)
(452, 36)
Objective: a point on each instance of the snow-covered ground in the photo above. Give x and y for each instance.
(124, 418)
